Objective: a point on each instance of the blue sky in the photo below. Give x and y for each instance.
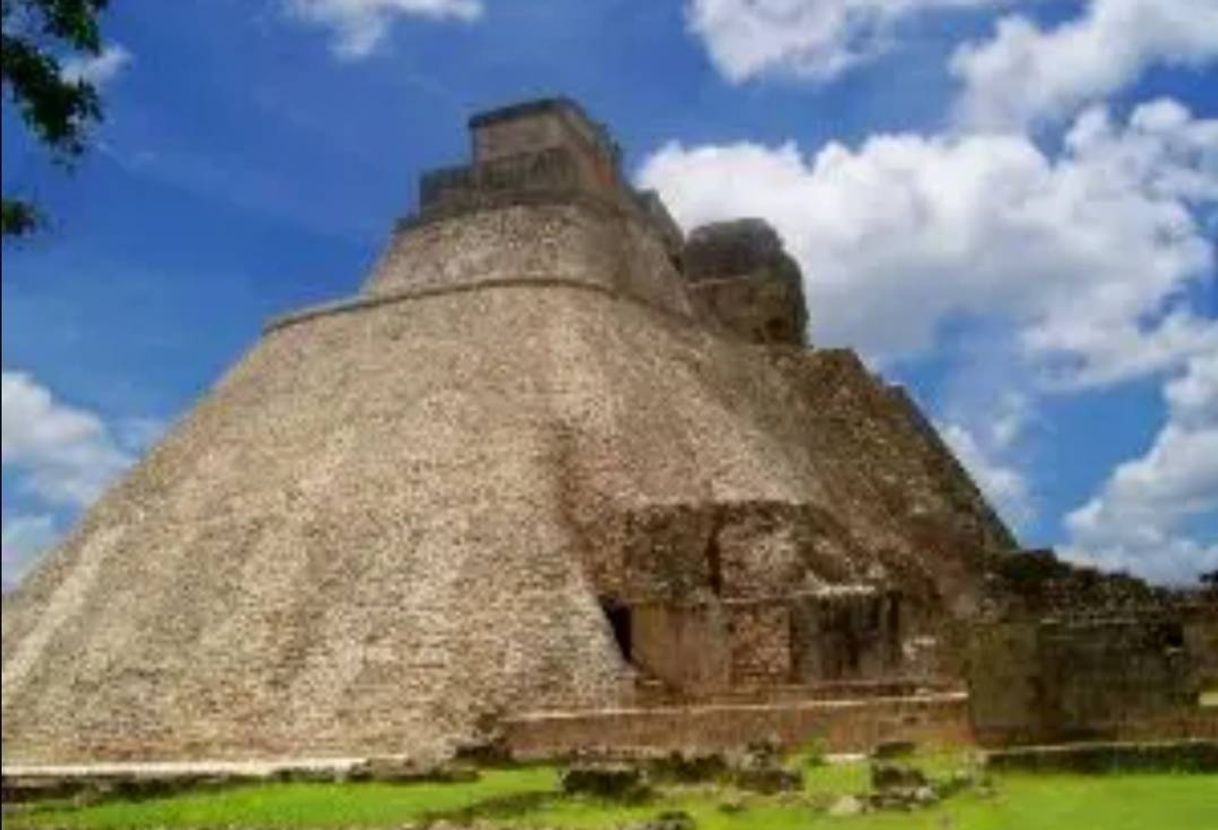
(1011, 207)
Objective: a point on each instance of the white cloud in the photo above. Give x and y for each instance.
(100, 69)
(1139, 518)
(1025, 74)
(63, 455)
(811, 39)
(1087, 256)
(360, 26)
(60, 458)
(24, 538)
(1001, 480)
(135, 435)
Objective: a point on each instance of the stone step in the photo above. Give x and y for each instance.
(651, 691)
(841, 725)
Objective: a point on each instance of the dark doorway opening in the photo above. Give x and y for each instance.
(619, 620)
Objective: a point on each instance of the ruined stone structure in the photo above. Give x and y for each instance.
(742, 279)
(1127, 677)
(1068, 653)
(553, 456)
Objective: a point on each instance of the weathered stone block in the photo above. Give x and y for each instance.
(617, 782)
(888, 776)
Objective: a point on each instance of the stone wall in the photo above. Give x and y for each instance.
(538, 125)
(506, 137)
(710, 647)
(684, 647)
(1034, 583)
(663, 555)
(548, 126)
(1055, 679)
(567, 239)
(760, 635)
(542, 196)
(737, 550)
(840, 726)
(756, 307)
(847, 633)
(761, 550)
(867, 433)
(1201, 639)
(448, 191)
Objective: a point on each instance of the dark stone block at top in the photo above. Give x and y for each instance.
(524, 109)
(743, 278)
(532, 126)
(730, 249)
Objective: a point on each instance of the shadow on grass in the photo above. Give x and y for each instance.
(500, 807)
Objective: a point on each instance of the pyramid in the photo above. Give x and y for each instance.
(549, 432)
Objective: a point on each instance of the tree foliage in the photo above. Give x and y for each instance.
(59, 110)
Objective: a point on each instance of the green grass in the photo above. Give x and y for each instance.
(527, 798)
(1150, 802)
(300, 804)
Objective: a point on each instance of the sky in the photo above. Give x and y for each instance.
(1009, 206)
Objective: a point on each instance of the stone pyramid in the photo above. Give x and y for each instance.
(548, 433)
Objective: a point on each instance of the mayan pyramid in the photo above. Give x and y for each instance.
(549, 428)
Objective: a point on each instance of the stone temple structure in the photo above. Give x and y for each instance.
(554, 456)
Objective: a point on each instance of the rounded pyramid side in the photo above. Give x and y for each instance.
(353, 544)
(363, 538)
(387, 523)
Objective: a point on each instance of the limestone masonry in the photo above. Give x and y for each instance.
(554, 458)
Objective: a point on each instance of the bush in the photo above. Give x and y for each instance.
(614, 782)
(812, 754)
(688, 767)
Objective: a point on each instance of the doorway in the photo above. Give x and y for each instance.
(619, 621)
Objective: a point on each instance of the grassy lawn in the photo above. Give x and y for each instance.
(527, 797)
(301, 804)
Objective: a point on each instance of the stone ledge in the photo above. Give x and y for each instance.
(251, 768)
(35, 782)
(362, 302)
(843, 725)
(1196, 755)
(498, 200)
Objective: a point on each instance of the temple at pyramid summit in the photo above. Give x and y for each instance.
(559, 473)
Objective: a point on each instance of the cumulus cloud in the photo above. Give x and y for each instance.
(360, 26)
(1138, 520)
(1002, 482)
(63, 455)
(22, 538)
(1026, 74)
(986, 416)
(811, 39)
(59, 458)
(100, 69)
(1088, 256)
